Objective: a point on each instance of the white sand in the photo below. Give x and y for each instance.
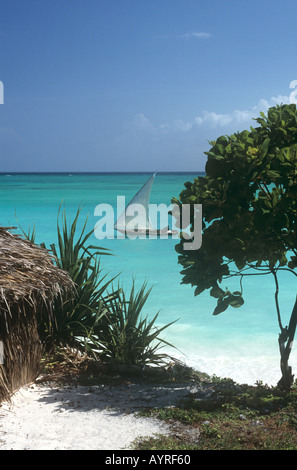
(82, 417)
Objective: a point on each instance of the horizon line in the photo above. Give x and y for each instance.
(95, 172)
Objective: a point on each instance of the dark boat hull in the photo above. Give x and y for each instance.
(148, 232)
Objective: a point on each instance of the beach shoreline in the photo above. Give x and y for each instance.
(82, 417)
(110, 409)
(43, 417)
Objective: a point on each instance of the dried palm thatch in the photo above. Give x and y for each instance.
(29, 283)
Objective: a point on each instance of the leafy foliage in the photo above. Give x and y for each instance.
(108, 325)
(249, 200)
(127, 338)
(249, 204)
(76, 316)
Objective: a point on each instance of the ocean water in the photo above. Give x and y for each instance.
(240, 343)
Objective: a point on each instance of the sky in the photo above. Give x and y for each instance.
(137, 85)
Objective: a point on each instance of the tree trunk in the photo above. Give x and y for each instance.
(285, 341)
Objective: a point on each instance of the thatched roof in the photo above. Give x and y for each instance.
(29, 283)
(27, 269)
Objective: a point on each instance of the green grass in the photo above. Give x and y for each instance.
(234, 417)
(244, 418)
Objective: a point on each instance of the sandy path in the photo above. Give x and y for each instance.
(82, 417)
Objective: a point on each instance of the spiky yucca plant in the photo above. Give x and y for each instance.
(106, 324)
(128, 338)
(75, 317)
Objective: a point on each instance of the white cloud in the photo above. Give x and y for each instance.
(199, 35)
(180, 142)
(280, 99)
(142, 123)
(183, 126)
(8, 133)
(213, 119)
(209, 119)
(238, 117)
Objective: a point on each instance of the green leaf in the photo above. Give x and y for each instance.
(265, 146)
(240, 264)
(248, 193)
(221, 306)
(236, 301)
(272, 174)
(216, 292)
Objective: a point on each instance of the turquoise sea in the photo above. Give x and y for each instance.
(239, 343)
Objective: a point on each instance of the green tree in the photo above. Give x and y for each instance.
(249, 216)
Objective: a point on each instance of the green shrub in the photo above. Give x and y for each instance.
(92, 319)
(127, 338)
(76, 314)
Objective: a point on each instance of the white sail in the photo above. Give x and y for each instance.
(141, 201)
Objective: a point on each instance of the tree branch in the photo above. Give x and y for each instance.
(276, 300)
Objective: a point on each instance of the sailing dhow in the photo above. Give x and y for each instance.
(143, 226)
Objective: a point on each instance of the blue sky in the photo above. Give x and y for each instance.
(122, 85)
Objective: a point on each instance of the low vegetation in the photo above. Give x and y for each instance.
(225, 416)
(99, 320)
(100, 336)
(249, 216)
(238, 417)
